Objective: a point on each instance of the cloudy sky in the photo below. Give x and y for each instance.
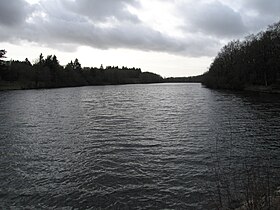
(168, 37)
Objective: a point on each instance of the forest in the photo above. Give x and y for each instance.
(48, 73)
(252, 63)
(191, 79)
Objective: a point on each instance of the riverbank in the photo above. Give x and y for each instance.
(4, 85)
(10, 86)
(263, 89)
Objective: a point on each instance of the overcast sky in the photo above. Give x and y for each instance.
(168, 37)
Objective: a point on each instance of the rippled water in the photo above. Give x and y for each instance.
(127, 147)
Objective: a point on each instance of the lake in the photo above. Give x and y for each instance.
(154, 146)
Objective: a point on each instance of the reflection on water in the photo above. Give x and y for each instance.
(127, 147)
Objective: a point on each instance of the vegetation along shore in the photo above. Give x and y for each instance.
(48, 73)
(251, 64)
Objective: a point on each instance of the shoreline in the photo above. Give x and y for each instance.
(262, 89)
(272, 89)
(7, 86)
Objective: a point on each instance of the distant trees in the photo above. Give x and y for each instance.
(255, 61)
(192, 79)
(2, 64)
(148, 77)
(76, 65)
(48, 73)
(2, 53)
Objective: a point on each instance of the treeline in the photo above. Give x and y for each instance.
(255, 61)
(192, 79)
(48, 73)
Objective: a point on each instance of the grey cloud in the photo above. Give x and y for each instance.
(207, 23)
(54, 24)
(212, 18)
(13, 12)
(258, 14)
(132, 36)
(103, 10)
(264, 7)
(106, 24)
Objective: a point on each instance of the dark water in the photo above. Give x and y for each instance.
(128, 147)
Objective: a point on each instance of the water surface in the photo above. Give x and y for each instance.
(128, 147)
